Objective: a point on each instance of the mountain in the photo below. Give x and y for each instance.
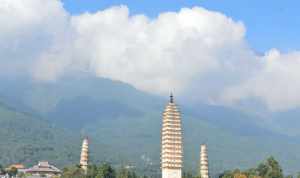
(124, 124)
(287, 122)
(27, 139)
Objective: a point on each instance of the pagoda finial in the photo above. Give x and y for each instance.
(171, 98)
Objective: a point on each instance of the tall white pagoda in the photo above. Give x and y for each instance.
(171, 143)
(84, 158)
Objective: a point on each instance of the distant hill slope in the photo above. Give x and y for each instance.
(124, 125)
(287, 122)
(27, 140)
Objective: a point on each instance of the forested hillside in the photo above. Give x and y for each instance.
(25, 139)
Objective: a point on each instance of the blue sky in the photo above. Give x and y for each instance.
(269, 23)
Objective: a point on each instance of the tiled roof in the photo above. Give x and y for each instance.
(43, 166)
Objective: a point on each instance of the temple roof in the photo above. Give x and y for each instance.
(43, 166)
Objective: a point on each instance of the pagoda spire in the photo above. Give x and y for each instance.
(171, 98)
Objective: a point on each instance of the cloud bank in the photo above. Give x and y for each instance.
(193, 51)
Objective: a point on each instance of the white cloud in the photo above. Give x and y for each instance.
(276, 83)
(193, 50)
(156, 54)
(28, 29)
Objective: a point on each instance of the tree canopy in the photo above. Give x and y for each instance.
(104, 170)
(267, 169)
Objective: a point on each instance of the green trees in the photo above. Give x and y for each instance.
(226, 174)
(2, 171)
(102, 171)
(125, 173)
(267, 169)
(270, 169)
(106, 171)
(73, 172)
(187, 174)
(12, 171)
(92, 171)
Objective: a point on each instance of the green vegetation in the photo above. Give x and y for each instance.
(2, 170)
(268, 169)
(104, 170)
(27, 140)
(12, 172)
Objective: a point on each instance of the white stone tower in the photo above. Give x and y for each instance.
(204, 162)
(171, 148)
(84, 158)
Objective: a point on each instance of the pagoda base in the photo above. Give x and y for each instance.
(171, 173)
